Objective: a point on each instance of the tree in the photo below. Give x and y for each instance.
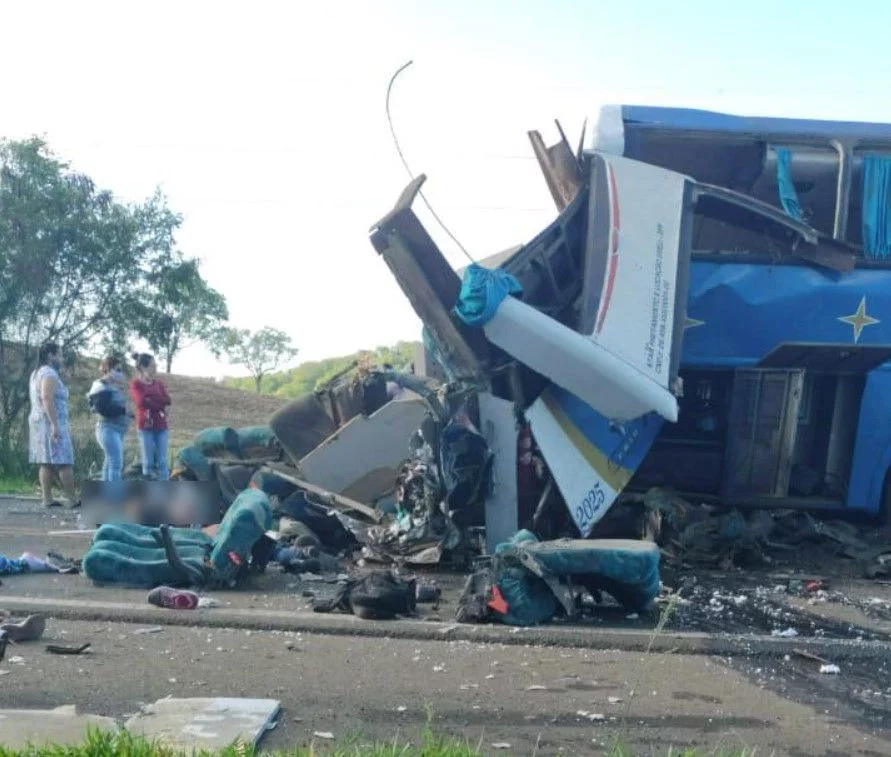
(73, 261)
(177, 308)
(261, 352)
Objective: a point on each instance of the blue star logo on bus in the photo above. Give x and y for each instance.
(692, 323)
(859, 320)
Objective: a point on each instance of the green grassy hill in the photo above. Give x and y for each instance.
(306, 377)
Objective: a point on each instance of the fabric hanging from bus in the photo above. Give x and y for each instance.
(785, 185)
(876, 201)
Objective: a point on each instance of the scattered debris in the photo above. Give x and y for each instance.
(326, 735)
(809, 656)
(29, 629)
(830, 669)
(787, 633)
(376, 595)
(173, 599)
(428, 593)
(878, 566)
(67, 650)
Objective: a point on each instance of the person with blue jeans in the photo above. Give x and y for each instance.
(108, 402)
(153, 447)
(151, 400)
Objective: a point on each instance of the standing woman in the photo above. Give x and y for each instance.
(49, 442)
(151, 401)
(108, 401)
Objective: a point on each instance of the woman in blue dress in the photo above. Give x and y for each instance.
(50, 444)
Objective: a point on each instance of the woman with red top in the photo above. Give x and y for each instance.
(151, 401)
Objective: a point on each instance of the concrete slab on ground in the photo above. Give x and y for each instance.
(60, 726)
(205, 724)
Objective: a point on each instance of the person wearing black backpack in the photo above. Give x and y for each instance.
(108, 401)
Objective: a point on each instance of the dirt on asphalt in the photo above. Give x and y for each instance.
(542, 701)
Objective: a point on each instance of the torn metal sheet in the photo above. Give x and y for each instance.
(205, 724)
(637, 264)
(569, 359)
(337, 502)
(591, 459)
(362, 458)
(411, 540)
(429, 283)
(624, 362)
(719, 209)
(560, 167)
(498, 422)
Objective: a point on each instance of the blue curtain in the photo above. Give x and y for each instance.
(788, 195)
(876, 202)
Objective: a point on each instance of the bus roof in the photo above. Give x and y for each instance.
(614, 120)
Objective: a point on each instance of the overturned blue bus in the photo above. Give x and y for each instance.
(710, 312)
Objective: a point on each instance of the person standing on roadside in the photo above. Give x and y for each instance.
(108, 401)
(151, 400)
(49, 438)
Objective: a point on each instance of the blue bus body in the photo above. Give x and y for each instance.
(741, 312)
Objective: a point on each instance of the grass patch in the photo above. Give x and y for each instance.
(123, 744)
(17, 485)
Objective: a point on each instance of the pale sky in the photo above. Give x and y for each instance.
(264, 122)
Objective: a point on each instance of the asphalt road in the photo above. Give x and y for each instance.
(531, 698)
